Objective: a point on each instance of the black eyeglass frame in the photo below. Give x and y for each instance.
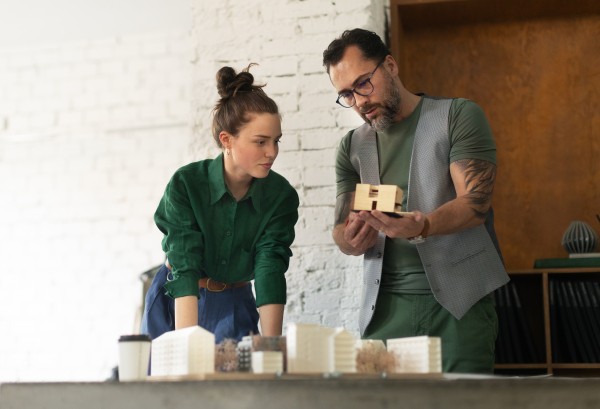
(354, 91)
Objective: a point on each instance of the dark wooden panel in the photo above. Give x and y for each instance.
(538, 80)
(415, 13)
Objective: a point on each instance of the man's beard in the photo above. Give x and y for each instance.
(391, 106)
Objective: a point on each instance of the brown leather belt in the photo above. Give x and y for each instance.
(215, 286)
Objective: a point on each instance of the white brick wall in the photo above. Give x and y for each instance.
(90, 133)
(287, 39)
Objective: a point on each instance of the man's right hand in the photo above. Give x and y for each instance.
(355, 237)
(359, 234)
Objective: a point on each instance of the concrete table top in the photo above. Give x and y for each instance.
(458, 393)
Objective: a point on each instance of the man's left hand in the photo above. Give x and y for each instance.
(404, 227)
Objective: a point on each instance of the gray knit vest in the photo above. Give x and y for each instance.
(461, 268)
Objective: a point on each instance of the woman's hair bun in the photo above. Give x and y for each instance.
(240, 96)
(229, 83)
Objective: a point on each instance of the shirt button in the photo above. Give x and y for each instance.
(376, 281)
(378, 255)
(372, 307)
(228, 233)
(223, 262)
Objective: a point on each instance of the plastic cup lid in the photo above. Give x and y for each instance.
(129, 338)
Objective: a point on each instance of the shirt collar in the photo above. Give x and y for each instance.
(216, 181)
(218, 187)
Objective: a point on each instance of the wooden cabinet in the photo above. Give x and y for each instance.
(532, 286)
(532, 66)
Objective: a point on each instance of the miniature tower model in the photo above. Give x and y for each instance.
(342, 354)
(417, 354)
(307, 348)
(183, 352)
(256, 343)
(385, 198)
(244, 354)
(267, 361)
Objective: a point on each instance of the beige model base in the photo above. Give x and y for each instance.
(245, 376)
(385, 198)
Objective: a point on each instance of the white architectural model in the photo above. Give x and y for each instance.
(267, 361)
(315, 349)
(186, 351)
(307, 350)
(417, 354)
(342, 354)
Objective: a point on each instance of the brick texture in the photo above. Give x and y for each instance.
(90, 133)
(287, 39)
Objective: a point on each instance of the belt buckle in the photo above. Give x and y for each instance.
(214, 291)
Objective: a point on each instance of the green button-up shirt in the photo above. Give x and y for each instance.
(210, 234)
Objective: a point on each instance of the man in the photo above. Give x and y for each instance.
(430, 274)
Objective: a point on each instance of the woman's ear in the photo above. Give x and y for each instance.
(225, 139)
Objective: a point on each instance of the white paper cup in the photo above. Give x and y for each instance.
(134, 356)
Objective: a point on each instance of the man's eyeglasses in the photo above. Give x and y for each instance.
(363, 88)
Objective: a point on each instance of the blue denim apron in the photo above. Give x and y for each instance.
(230, 313)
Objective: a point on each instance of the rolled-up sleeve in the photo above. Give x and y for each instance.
(183, 242)
(273, 252)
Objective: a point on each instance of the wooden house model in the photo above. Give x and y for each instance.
(385, 198)
(188, 351)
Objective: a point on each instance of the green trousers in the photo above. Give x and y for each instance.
(467, 344)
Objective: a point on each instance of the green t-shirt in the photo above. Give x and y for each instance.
(470, 138)
(207, 233)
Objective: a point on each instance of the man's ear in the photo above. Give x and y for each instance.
(391, 66)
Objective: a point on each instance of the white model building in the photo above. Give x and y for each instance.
(342, 354)
(188, 351)
(417, 354)
(315, 349)
(267, 361)
(307, 348)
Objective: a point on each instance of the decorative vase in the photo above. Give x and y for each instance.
(580, 238)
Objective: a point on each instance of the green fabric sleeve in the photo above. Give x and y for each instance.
(183, 242)
(346, 177)
(272, 256)
(470, 133)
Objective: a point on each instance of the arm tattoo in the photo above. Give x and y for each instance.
(480, 176)
(342, 208)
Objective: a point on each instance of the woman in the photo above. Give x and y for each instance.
(225, 222)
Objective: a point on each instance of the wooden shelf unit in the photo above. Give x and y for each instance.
(527, 279)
